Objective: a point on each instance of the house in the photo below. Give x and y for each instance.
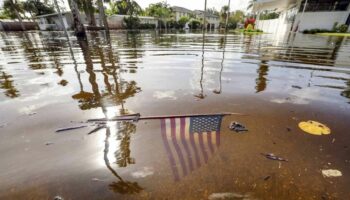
(117, 21)
(321, 14)
(52, 21)
(213, 21)
(180, 12)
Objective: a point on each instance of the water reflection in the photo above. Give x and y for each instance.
(7, 84)
(105, 75)
(261, 81)
(120, 186)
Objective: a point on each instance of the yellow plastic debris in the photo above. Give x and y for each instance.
(314, 128)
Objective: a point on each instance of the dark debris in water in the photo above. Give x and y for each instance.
(235, 126)
(272, 156)
(297, 87)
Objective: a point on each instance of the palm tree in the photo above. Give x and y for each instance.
(79, 28)
(251, 4)
(16, 8)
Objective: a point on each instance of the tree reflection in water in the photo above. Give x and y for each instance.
(261, 81)
(7, 84)
(115, 94)
(121, 186)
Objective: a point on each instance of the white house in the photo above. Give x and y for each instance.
(321, 14)
(213, 21)
(117, 21)
(180, 12)
(52, 21)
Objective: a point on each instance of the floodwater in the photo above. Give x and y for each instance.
(274, 82)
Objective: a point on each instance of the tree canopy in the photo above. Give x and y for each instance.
(31, 7)
(159, 10)
(124, 7)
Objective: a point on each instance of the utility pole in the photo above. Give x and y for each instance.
(228, 13)
(78, 24)
(17, 14)
(204, 15)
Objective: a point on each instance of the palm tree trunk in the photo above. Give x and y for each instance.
(103, 18)
(18, 15)
(91, 13)
(78, 24)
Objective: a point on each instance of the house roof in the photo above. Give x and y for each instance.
(200, 12)
(52, 14)
(277, 5)
(181, 9)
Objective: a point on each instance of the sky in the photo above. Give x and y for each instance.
(199, 4)
(193, 4)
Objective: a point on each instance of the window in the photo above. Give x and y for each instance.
(325, 5)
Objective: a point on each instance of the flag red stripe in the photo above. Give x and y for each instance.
(194, 147)
(184, 142)
(217, 139)
(201, 144)
(177, 147)
(210, 143)
(168, 151)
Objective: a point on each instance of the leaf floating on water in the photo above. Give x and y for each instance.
(331, 173)
(314, 128)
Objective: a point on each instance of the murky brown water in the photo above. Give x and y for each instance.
(46, 84)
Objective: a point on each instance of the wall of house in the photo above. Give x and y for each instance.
(276, 26)
(116, 21)
(320, 20)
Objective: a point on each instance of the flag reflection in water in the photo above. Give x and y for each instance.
(190, 141)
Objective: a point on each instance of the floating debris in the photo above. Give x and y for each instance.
(48, 143)
(331, 173)
(314, 128)
(97, 180)
(69, 128)
(272, 156)
(297, 87)
(235, 126)
(228, 195)
(58, 198)
(3, 125)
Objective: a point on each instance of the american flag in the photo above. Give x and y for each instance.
(190, 141)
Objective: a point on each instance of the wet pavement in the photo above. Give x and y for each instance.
(274, 82)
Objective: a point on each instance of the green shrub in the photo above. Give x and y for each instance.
(342, 28)
(195, 24)
(147, 26)
(132, 22)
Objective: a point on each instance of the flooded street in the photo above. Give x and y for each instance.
(271, 83)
